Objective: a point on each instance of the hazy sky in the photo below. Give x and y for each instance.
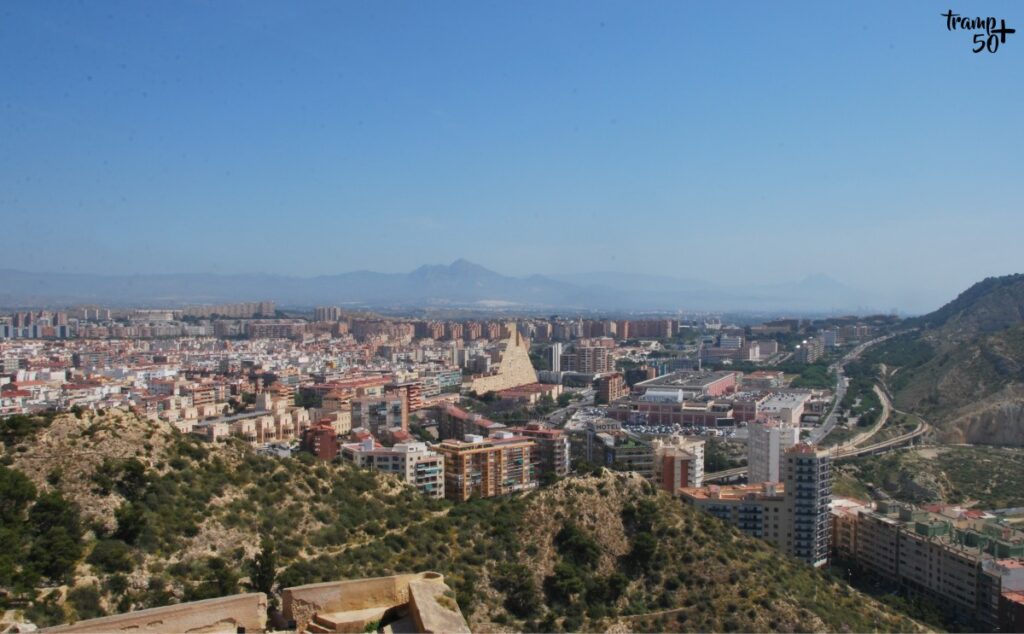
(740, 142)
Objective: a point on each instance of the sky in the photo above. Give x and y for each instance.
(741, 142)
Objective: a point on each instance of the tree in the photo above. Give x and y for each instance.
(57, 536)
(222, 581)
(564, 584)
(263, 568)
(16, 492)
(521, 595)
(576, 546)
(645, 546)
(130, 522)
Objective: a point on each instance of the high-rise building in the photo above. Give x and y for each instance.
(593, 359)
(551, 455)
(809, 351)
(327, 313)
(487, 467)
(808, 479)
(611, 387)
(793, 515)
(472, 330)
(556, 357)
(766, 447)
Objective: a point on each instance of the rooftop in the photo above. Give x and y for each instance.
(683, 379)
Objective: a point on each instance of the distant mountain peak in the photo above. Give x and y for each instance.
(463, 265)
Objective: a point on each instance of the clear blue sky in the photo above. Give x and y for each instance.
(740, 142)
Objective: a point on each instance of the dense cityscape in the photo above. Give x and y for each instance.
(465, 409)
(510, 317)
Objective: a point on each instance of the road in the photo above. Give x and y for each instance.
(824, 429)
(859, 439)
(878, 447)
(559, 416)
(839, 453)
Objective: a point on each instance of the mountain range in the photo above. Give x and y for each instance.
(461, 284)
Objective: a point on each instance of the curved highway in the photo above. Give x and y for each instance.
(823, 430)
(818, 433)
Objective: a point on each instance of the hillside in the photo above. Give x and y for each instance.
(963, 368)
(129, 514)
(990, 477)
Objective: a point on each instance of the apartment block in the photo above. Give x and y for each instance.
(963, 560)
(605, 443)
(611, 387)
(551, 455)
(458, 423)
(678, 462)
(413, 463)
(488, 467)
(379, 414)
(321, 441)
(766, 447)
(793, 515)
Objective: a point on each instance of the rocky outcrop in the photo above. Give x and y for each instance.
(998, 422)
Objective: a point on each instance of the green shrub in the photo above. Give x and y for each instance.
(86, 601)
(111, 555)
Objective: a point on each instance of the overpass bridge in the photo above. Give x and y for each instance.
(840, 453)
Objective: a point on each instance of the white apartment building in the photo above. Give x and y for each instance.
(412, 462)
(765, 449)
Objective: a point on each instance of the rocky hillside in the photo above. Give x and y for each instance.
(964, 367)
(110, 513)
(988, 477)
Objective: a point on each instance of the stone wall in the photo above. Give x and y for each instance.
(335, 598)
(224, 614)
(421, 600)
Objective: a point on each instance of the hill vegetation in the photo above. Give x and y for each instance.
(963, 368)
(988, 477)
(111, 513)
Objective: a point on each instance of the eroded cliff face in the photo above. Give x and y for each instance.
(997, 421)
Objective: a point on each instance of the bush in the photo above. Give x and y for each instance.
(130, 522)
(111, 555)
(577, 547)
(86, 601)
(521, 595)
(640, 558)
(47, 611)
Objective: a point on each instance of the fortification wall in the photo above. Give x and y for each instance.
(223, 614)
